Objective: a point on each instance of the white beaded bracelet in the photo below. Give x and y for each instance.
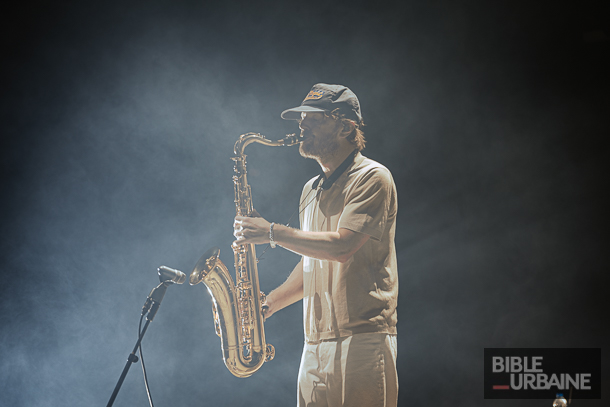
(271, 241)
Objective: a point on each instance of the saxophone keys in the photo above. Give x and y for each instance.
(244, 286)
(269, 353)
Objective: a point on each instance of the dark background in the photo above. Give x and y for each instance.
(118, 121)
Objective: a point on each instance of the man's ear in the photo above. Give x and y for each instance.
(348, 127)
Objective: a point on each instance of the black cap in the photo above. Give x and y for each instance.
(327, 98)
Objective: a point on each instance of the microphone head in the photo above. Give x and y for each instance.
(170, 274)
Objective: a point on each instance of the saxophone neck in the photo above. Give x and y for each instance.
(249, 138)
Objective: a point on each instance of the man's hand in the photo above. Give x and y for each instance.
(253, 229)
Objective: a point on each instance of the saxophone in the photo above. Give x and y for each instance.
(238, 316)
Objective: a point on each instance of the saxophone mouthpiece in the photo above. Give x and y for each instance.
(292, 139)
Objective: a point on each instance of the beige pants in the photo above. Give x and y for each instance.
(358, 370)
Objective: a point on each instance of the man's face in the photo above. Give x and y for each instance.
(320, 135)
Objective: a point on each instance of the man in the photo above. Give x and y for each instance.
(347, 276)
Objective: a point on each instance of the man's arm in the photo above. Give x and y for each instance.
(286, 294)
(335, 246)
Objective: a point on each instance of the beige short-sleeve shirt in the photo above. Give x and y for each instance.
(360, 295)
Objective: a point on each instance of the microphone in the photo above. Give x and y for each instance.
(167, 274)
(167, 277)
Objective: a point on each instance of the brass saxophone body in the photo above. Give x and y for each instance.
(236, 306)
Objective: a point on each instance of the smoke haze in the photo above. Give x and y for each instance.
(118, 122)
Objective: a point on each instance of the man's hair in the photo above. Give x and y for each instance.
(356, 137)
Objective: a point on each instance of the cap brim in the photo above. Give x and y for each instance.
(295, 112)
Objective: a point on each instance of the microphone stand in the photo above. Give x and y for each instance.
(151, 306)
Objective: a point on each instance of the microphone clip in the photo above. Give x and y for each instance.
(167, 277)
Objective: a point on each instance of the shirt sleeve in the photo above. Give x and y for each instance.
(367, 206)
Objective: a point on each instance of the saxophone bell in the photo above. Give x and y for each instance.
(204, 266)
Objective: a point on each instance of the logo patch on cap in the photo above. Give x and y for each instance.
(315, 95)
